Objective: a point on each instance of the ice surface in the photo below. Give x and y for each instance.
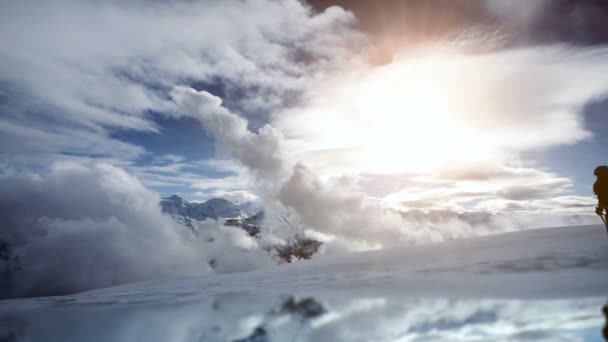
(246, 318)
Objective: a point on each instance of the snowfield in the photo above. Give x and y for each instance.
(545, 263)
(555, 279)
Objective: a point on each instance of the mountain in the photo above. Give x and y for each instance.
(250, 224)
(214, 208)
(296, 247)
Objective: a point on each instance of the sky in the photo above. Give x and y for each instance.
(457, 106)
(363, 125)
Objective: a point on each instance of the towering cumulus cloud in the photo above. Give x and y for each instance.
(85, 227)
(259, 152)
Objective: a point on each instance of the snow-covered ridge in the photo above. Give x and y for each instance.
(213, 208)
(232, 214)
(237, 215)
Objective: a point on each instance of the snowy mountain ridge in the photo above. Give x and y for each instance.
(213, 208)
(191, 214)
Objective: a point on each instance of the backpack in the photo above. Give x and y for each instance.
(600, 187)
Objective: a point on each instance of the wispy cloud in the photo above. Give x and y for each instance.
(83, 69)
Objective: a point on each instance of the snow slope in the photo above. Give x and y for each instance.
(539, 263)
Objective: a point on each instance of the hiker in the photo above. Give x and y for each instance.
(605, 330)
(600, 188)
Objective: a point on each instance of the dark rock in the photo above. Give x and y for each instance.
(300, 248)
(307, 307)
(258, 335)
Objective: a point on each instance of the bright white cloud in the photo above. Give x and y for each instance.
(442, 129)
(459, 147)
(259, 152)
(428, 210)
(439, 105)
(85, 227)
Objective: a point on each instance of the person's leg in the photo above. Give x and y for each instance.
(602, 206)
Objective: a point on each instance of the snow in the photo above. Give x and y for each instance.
(555, 262)
(213, 208)
(542, 284)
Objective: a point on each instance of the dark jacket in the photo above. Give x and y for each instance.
(600, 188)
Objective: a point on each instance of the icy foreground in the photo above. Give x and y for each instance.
(544, 284)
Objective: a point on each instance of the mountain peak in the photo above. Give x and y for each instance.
(217, 200)
(213, 208)
(174, 198)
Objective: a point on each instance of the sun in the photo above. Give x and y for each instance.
(410, 121)
(412, 115)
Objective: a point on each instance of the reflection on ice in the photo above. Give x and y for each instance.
(287, 318)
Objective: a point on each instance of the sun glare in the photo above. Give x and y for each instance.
(407, 119)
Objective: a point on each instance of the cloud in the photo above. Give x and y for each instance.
(321, 204)
(26, 141)
(69, 84)
(236, 196)
(514, 14)
(511, 190)
(410, 135)
(84, 227)
(337, 208)
(176, 174)
(260, 152)
(414, 114)
(341, 211)
(84, 69)
(329, 201)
